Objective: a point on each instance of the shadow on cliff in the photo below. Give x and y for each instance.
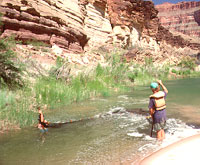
(197, 16)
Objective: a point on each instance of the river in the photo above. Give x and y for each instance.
(107, 133)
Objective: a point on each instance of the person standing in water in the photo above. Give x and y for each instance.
(157, 108)
(42, 123)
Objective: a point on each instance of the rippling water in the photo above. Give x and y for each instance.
(111, 136)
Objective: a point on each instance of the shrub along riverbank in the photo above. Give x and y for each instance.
(19, 99)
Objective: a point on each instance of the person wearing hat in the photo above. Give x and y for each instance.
(157, 108)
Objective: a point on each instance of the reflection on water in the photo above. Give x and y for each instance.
(112, 136)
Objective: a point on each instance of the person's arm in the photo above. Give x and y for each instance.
(162, 85)
(42, 117)
(151, 111)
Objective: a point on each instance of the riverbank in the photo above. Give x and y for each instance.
(64, 83)
(18, 108)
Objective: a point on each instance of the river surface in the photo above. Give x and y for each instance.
(107, 133)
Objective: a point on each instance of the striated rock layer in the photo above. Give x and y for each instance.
(81, 25)
(53, 22)
(182, 17)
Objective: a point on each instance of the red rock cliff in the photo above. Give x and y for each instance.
(79, 25)
(49, 21)
(183, 17)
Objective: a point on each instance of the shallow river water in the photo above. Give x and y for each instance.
(108, 134)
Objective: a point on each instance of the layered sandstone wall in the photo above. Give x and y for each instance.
(81, 25)
(50, 21)
(96, 25)
(182, 17)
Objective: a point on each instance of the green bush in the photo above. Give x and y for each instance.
(184, 72)
(188, 62)
(174, 71)
(37, 44)
(10, 66)
(11, 69)
(16, 108)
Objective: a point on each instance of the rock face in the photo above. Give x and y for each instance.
(53, 22)
(76, 25)
(183, 17)
(81, 25)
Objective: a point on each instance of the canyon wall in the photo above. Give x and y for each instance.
(52, 22)
(182, 17)
(81, 25)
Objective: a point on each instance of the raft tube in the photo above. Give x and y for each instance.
(183, 152)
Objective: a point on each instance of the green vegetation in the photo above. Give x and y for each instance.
(99, 82)
(186, 68)
(144, 74)
(188, 63)
(19, 107)
(10, 66)
(19, 98)
(38, 45)
(15, 109)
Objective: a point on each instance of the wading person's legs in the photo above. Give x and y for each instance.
(159, 127)
(161, 134)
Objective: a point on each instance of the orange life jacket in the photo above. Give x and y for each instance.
(159, 100)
